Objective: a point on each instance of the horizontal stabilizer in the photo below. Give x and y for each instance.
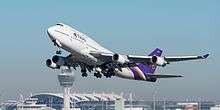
(205, 56)
(165, 76)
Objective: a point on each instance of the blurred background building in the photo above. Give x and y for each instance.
(101, 101)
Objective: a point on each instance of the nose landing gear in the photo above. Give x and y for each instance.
(58, 45)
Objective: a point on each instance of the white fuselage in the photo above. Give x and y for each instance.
(80, 46)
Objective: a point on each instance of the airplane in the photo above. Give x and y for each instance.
(90, 56)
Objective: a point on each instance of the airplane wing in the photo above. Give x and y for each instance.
(165, 76)
(184, 58)
(107, 57)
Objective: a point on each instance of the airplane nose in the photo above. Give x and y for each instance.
(50, 32)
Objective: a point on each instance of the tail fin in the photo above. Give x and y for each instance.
(150, 68)
(157, 52)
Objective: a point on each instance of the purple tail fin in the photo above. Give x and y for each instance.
(150, 68)
(156, 52)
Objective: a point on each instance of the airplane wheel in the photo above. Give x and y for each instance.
(97, 75)
(100, 75)
(112, 74)
(84, 75)
(58, 52)
(108, 75)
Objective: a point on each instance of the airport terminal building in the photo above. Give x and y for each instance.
(101, 101)
(82, 101)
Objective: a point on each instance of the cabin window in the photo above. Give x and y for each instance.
(75, 34)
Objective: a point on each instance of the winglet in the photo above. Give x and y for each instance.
(205, 56)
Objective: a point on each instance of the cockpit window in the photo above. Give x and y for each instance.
(60, 24)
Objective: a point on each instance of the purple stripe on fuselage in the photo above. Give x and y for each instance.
(136, 76)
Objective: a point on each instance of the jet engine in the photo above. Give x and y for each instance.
(59, 60)
(120, 58)
(51, 64)
(160, 61)
(56, 62)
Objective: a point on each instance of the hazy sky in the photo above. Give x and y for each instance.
(187, 27)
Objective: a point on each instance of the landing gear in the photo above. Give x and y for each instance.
(59, 52)
(109, 73)
(84, 74)
(98, 75)
(58, 46)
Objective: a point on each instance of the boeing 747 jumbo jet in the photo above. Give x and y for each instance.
(92, 57)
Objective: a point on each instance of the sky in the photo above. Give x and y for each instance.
(128, 27)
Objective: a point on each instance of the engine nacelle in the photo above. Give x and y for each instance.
(59, 60)
(51, 64)
(160, 61)
(119, 58)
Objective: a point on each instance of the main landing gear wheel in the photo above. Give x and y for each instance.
(98, 75)
(84, 74)
(109, 73)
(108, 76)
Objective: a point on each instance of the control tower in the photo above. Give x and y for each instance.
(66, 79)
